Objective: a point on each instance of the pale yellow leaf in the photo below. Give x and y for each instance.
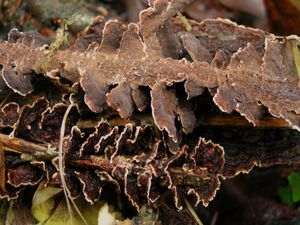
(43, 202)
(105, 217)
(61, 216)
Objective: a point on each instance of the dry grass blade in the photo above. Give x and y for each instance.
(60, 157)
(61, 167)
(2, 169)
(297, 57)
(192, 211)
(4, 100)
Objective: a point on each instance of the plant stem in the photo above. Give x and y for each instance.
(21, 146)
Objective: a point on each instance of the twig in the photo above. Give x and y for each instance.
(21, 146)
(238, 121)
(222, 121)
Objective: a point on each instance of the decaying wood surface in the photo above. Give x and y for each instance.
(142, 95)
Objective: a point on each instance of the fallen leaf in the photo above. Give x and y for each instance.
(105, 217)
(43, 202)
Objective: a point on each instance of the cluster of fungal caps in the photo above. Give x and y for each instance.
(129, 157)
(115, 71)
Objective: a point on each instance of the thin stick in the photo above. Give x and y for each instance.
(238, 121)
(21, 146)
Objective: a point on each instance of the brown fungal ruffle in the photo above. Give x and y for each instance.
(9, 114)
(135, 158)
(132, 160)
(158, 68)
(213, 55)
(41, 123)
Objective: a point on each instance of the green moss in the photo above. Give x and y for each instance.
(61, 37)
(184, 21)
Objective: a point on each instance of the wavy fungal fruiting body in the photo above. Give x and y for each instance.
(128, 157)
(244, 69)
